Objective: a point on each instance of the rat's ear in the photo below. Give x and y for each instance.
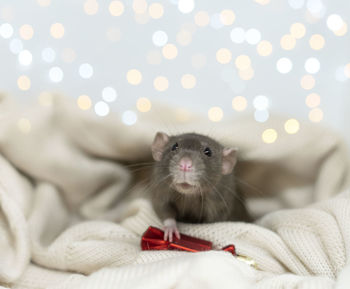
(159, 142)
(229, 160)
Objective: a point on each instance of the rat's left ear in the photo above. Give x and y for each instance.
(229, 160)
(159, 142)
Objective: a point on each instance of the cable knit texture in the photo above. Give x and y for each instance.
(66, 221)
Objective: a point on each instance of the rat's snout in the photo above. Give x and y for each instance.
(185, 164)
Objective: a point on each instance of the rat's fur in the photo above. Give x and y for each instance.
(212, 196)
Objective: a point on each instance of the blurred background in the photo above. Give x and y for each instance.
(218, 58)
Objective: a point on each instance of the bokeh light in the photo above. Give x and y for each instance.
(223, 55)
(215, 114)
(246, 74)
(23, 82)
(84, 102)
(43, 3)
(227, 17)
(252, 36)
(307, 82)
(56, 74)
(134, 76)
(316, 115)
(188, 81)
(86, 71)
(25, 57)
(264, 48)
(139, 6)
(16, 46)
(26, 32)
(101, 108)
(161, 83)
(202, 18)
(317, 41)
(261, 115)
(261, 102)
(292, 126)
(57, 30)
(335, 22)
(284, 65)
(296, 4)
(109, 94)
(91, 7)
(159, 38)
(297, 30)
(262, 2)
(312, 65)
(243, 62)
(6, 30)
(237, 35)
(313, 100)
(342, 31)
(185, 6)
(169, 51)
(129, 117)
(269, 136)
(156, 10)
(239, 103)
(24, 125)
(48, 55)
(116, 8)
(143, 104)
(288, 42)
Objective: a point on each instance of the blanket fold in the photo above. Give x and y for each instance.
(72, 213)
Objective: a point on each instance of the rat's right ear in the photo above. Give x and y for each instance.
(160, 141)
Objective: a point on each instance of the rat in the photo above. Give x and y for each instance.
(193, 182)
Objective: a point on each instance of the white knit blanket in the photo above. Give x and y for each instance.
(62, 226)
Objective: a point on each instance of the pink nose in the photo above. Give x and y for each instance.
(185, 164)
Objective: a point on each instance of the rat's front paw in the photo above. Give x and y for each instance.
(170, 229)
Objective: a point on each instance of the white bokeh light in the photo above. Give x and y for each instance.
(86, 71)
(237, 35)
(253, 36)
(296, 4)
(316, 7)
(215, 21)
(101, 108)
(109, 94)
(284, 65)
(335, 22)
(6, 30)
(312, 65)
(159, 38)
(56, 74)
(48, 55)
(25, 57)
(16, 46)
(261, 102)
(261, 115)
(340, 74)
(185, 6)
(129, 117)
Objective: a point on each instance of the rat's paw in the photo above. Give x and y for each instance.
(170, 229)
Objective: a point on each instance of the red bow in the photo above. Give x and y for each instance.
(153, 239)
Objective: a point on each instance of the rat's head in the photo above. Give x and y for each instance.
(194, 162)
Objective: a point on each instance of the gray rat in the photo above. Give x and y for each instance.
(193, 181)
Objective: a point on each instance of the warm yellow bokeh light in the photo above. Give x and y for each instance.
(84, 102)
(24, 125)
(227, 17)
(297, 30)
(139, 6)
(292, 126)
(116, 8)
(45, 98)
(269, 136)
(246, 74)
(243, 62)
(215, 114)
(169, 51)
(202, 18)
(26, 32)
(223, 55)
(342, 31)
(264, 48)
(184, 37)
(317, 41)
(57, 30)
(156, 10)
(288, 42)
(316, 115)
(143, 104)
(307, 82)
(262, 2)
(23, 82)
(347, 70)
(313, 100)
(43, 3)
(239, 103)
(68, 55)
(91, 7)
(161, 83)
(134, 76)
(182, 115)
(188, 81)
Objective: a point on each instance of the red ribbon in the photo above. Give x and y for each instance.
(153, 239)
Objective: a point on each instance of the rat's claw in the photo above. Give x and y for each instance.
(170, 229)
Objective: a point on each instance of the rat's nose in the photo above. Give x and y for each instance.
(185, 164)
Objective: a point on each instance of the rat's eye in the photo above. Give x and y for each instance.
(175, 146)
(207, 151)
